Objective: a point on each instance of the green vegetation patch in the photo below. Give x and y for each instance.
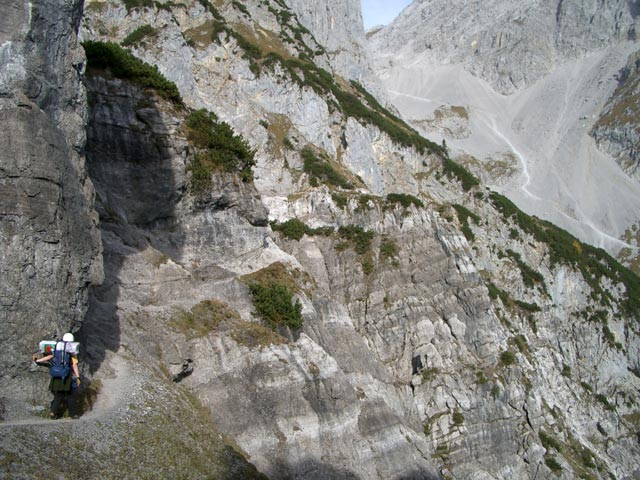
(138, 35)
(122, 64)
(389, 249)
(295, 229)
(404, 199)
(217, 148)
(530, 277)
(593, 263)
(321, 171)
(274, 305)
(552, 463)
(356, 237)
(457, 171)
(137, 4)
(464, 214)
(507, 358)
(203, 318)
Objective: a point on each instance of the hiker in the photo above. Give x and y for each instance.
(65, 376)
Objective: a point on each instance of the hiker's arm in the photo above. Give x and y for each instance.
(43, 359)
(74, 366)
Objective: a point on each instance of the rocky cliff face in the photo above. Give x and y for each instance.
(510, 45)
(618, 128)
(492, 79)
(50, 244)
(443, 331)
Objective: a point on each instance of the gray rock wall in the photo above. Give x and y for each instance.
(509, 44)
(618, 130)
(48, 236)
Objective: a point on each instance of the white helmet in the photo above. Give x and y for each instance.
(67, 337)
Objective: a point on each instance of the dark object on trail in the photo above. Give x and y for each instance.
(187, 369)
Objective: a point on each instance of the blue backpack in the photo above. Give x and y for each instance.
(61, 363)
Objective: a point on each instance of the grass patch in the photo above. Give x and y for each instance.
(203, 319)
(137, 4)
(122, 64)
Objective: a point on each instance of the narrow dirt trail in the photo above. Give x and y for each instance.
(113, 394)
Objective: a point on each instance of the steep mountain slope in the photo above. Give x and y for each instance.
(343, 299)
(449, 66)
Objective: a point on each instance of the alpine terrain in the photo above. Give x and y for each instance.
(272, 275)
(538, 98)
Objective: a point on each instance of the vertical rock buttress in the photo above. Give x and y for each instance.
(50, 249)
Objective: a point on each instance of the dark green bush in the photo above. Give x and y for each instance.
(122, 64)
(274, 305)
(321, 171)
(134, 4)
(359, 238)
(217, 147)
(530, 277)
(507, 358)
(464, 214)
(454, 170)
(405, 200)
(138, 34)
(458, 418)
(549, 442)
(552, 463)
(296, 229)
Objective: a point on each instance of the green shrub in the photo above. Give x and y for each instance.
(507, 358)
(274, 305)
(549, 442)
(341, 199)
(458, 418)
(552, 463)
(566, 371)
(464, 214)
(122, 64)
(138, 34)
(240, 7)
(322, 171)
(605, 401)
(359, 238)
(135, 4)
(296, 229)
(530, 277)
(466, 178)
(388, 249)
(305, 73)
(405, 200)
(217, 148)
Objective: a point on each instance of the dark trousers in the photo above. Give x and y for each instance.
(69, 397)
